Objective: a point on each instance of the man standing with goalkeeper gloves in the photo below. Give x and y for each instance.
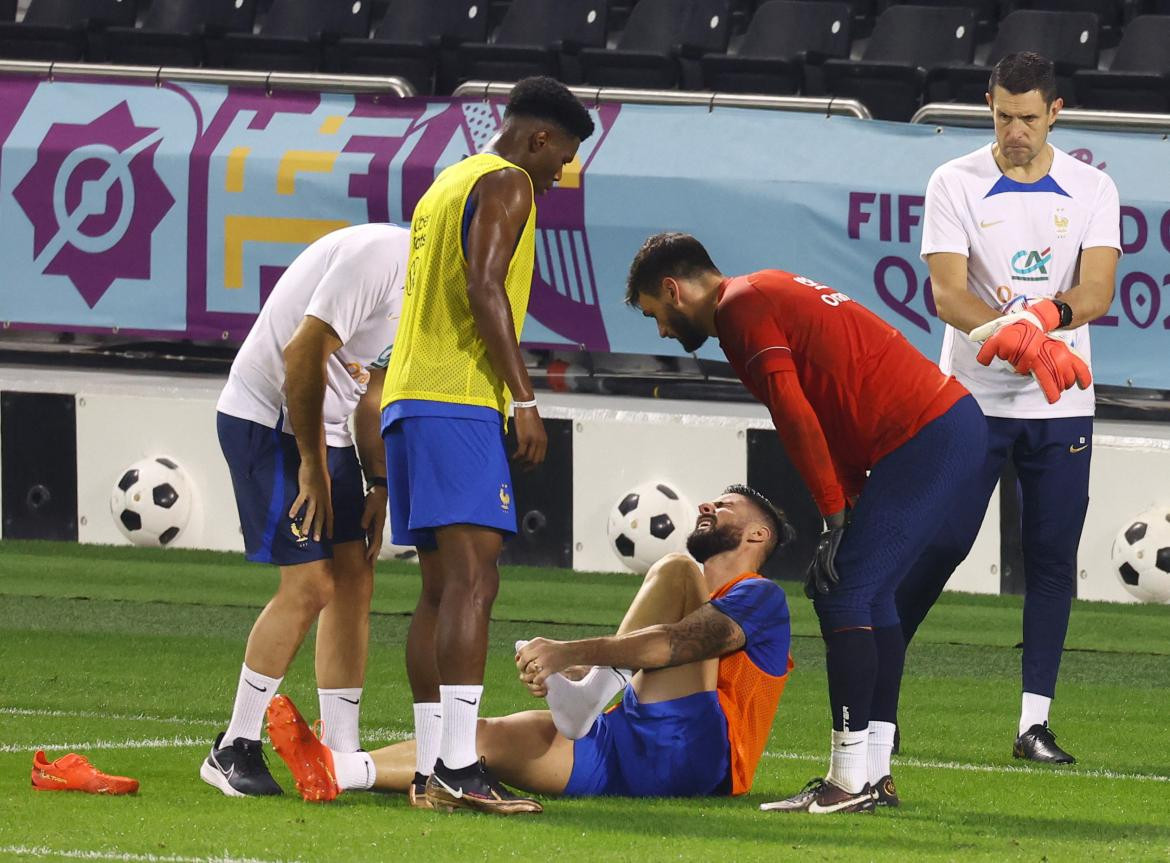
(1022, 241)
(848, 395)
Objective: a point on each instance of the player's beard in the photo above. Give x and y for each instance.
(685, 332)
(704, 545)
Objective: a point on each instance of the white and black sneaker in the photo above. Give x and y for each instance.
(239, 770)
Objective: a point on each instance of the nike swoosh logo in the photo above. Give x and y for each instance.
(254, 686)
(854, 743)
(458, 795)
(984, 224)
(1076, 449)
(465, 701)
(817, 809)
(350, 700)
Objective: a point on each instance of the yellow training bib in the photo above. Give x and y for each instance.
(438, 353)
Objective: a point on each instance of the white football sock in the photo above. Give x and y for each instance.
(847, 764)
(878, 748)
(1033, 711)
(253, 693)
(339, 716)
(575, 704)
(460, 716)
(428, 729)
(354, 770)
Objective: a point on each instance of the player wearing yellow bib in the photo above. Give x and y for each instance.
(456, 364)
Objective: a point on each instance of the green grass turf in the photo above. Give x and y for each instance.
(104, 647)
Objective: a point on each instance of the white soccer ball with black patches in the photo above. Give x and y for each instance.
(1141, 555)
(648, 522)
(151, 501)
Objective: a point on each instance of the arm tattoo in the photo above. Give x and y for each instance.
(703, 634)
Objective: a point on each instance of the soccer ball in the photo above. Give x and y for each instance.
(648, 522)
(1141, 555)
(151, 501)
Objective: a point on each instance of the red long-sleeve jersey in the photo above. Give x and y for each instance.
(844, 387)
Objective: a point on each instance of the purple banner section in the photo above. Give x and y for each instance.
(171, 211)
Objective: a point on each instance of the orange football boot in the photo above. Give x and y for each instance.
(308, 759)
(73, 772)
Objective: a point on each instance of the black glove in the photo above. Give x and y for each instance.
(821, 577)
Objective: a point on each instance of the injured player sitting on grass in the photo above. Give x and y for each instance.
(700, 660)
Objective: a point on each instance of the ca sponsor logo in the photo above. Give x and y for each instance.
(1029, 265)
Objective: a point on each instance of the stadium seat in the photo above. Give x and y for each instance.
(292, 35)
(1139, 78)
(784, 36)
(661, 45)
(57, 29)
(538, 37)
(1107, 12)
(1069, 39)
(172, 32)
(986, 12)
(415, 40)
(906, 42)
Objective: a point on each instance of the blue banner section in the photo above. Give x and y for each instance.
(171, 211)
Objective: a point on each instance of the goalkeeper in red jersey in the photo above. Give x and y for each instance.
(886, 444)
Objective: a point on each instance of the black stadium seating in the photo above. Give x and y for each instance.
(1139, 79)
(58, 29)
(538, 37)
(1068, 38)
(175, 32)
(784, 36)
(416, 40)
(906, 42)
(661, 45)
(292, 34)
(914, 51)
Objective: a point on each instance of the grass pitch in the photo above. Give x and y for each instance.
(131, 657)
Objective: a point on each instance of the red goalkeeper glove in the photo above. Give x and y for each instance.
(1021, 339)
(1016, 337)
(1057, 367)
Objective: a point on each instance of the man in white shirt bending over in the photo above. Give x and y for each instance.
(1022, 241)
(316, 355)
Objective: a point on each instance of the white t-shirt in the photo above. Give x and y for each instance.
(1023, 243)
(351, 279)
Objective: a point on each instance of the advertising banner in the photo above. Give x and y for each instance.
(169, 211)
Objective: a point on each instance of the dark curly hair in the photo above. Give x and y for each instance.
(545, 98)
(1023, 72)
(665, 255)
(782, 530)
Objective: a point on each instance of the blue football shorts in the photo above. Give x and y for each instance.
(264, 463)
(675, 748)
(444, 471)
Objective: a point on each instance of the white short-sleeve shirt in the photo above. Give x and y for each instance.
(1023, 243)
(351, 279)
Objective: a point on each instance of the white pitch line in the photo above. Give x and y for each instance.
(88, 854)
(1094, 773)
(89, 745)
(94, 714)
(379, 734)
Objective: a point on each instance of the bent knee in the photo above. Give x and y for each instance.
(676, 565)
